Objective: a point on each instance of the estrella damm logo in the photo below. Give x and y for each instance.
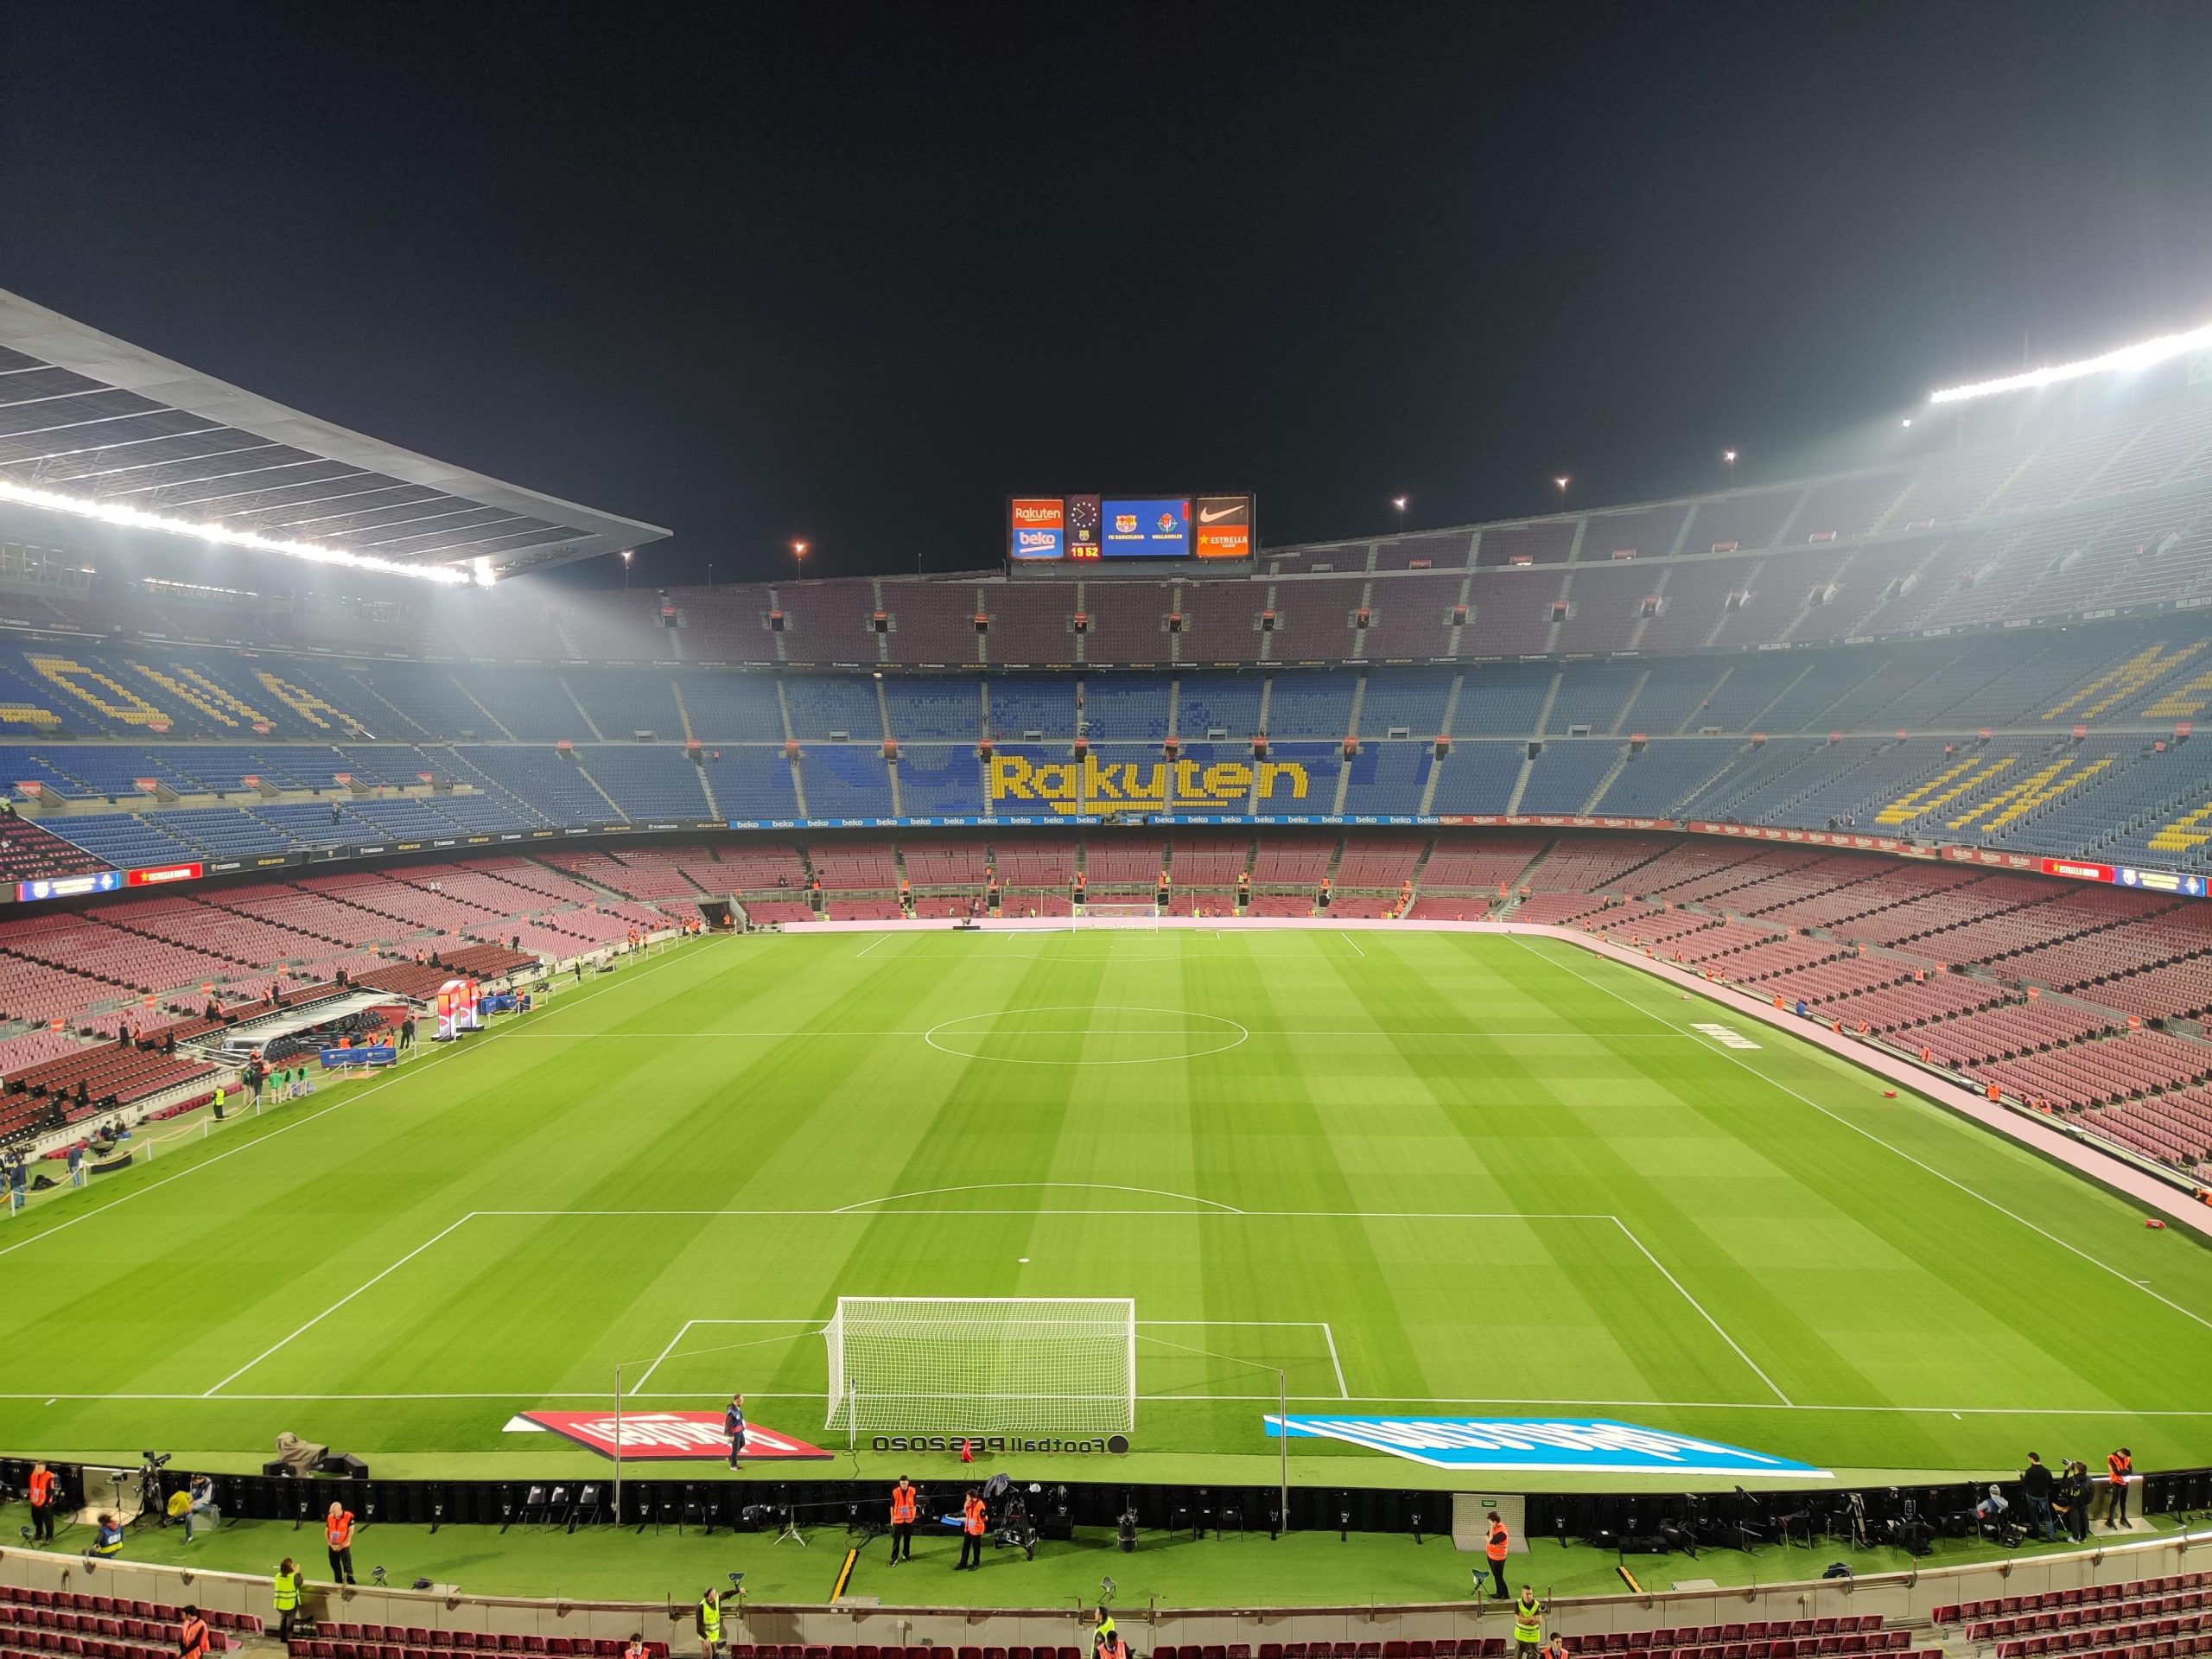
(1073, 786)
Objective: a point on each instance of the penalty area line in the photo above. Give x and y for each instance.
(1860, 1129)
(1335, 1365)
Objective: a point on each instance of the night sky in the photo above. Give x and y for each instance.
(854, 273)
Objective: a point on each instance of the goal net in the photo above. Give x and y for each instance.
(1117, 915)
(1019, 1364)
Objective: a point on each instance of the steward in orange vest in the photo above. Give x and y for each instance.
(971, 1532)
(338, 1533)
(45, 1499)
(1494, 1547)
(902, 1521)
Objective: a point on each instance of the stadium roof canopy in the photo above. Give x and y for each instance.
(93, 420)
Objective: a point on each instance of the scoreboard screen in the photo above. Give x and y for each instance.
(1043, 529)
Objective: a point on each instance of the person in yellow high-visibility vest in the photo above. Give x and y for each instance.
(1528, 1625)
(711, 1623)
(285, 1590)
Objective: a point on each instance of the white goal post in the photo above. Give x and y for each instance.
(1020, 1365)
(1117, 915)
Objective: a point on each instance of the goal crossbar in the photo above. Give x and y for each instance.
(1024, 1364)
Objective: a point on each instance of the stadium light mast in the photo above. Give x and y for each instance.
(1562, 480)
(799, 552)
(1728, 460)
(1399, 502)
(626, 568)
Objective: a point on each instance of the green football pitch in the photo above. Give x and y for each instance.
(1416, 1173)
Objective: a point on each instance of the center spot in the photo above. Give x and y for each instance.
(1086, 1035)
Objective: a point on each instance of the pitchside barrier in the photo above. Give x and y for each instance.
(1823, 1514)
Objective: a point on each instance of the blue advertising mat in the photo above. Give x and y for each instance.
(1556, 1445)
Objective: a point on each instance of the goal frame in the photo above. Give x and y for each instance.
(857, 1404)
(1116, 914)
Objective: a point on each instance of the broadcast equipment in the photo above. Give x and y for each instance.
(790, 1534)
(1742, 1534)
(1854, 1511)
(1907, 1531)
(151, 1499)
(1014, 1530)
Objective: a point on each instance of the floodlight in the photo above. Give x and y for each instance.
(1399, 502)
(109, 512)
(2141, 356)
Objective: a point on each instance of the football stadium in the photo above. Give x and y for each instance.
(1632, 1078)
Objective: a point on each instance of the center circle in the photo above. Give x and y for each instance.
(1086, 1034)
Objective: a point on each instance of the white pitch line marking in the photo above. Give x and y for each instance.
(1630, 1233)
(864, 950)
(1351, 941)
(1002, 1186)
(1948, 1180)
(340, 1303)
(1343, 1387)
(645, 1376)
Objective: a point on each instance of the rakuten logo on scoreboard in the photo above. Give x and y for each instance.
(1037, 527)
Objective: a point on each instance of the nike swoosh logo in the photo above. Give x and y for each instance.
(1208, 515)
